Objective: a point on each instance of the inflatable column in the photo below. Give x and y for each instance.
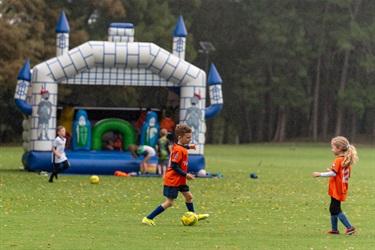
(192, 103)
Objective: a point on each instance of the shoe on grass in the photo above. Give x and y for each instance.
(350, 231)
(202, 216)
(334, 232)
(147, 221)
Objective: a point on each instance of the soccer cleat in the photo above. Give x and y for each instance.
(350, 231)
(148, 221)
(202, 216)
(334, 232)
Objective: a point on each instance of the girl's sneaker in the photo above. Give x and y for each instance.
(350, 231)
(334, 232)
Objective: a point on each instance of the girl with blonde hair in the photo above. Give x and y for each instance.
(339, 174)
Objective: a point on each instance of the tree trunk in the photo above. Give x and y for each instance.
(210, 131)
(316, 101)
(343, 80)
(226, 132)
(268, 104)
(283, 122)
(270, 125)
(260, 125)
(325, 121)
(277, 132)
(248, 127)
(353, 133)
(280, 134)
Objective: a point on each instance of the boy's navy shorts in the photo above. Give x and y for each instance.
(172, 192)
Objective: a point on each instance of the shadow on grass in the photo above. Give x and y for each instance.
(13, 170)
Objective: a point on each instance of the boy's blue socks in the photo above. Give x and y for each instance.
(190, 207)
(334, 221)
(344, 220)
(156, 212)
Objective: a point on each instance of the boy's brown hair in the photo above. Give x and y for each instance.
(59, 128)
(163, 132)
(182, 129)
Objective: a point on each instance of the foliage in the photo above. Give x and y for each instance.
(270, 67)
(285, 208)
(288, 67)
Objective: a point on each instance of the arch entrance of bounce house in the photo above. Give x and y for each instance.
(123, 127)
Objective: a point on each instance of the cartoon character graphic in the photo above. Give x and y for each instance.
(150, 130)
(44, 113)
(194, 116)
(81, 131)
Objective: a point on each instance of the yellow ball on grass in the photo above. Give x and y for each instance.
(189, 219)
(94, 179)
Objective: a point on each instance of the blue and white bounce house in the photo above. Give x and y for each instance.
(117, 62)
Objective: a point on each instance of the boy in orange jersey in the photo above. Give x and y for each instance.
(339, 174)
(176, 175)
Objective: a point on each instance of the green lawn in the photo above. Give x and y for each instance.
(285, 208)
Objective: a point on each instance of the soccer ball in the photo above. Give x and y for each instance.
(189, 219)
(94, 179)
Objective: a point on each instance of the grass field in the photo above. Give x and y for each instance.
(285, 208)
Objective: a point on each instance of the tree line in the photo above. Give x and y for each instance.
(291, 69)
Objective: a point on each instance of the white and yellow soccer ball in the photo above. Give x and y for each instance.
(189, 219)
(94, 179)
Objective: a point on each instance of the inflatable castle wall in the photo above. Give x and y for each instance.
(117, 62)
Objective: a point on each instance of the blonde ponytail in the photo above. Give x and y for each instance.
(351, 156)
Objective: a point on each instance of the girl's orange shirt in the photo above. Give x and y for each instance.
(338, 185)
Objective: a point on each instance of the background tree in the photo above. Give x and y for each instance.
(291, 69)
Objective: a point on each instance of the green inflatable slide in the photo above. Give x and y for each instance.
(103, 126)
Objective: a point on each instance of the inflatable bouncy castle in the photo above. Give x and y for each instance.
(117, 62)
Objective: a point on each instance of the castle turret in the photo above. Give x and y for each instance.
(216, 95)
(20, 98)
(23, 84)
(62, 35)
(179, 39)
(121, 32)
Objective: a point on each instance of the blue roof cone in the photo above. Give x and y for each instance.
(25, 72)
(180, 29)
(63, 25)
(213, 76)
(122, 25)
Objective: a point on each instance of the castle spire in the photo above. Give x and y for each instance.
(62, 35)
(179, 39)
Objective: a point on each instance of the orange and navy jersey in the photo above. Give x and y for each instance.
(179, 155)
(338, 185)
